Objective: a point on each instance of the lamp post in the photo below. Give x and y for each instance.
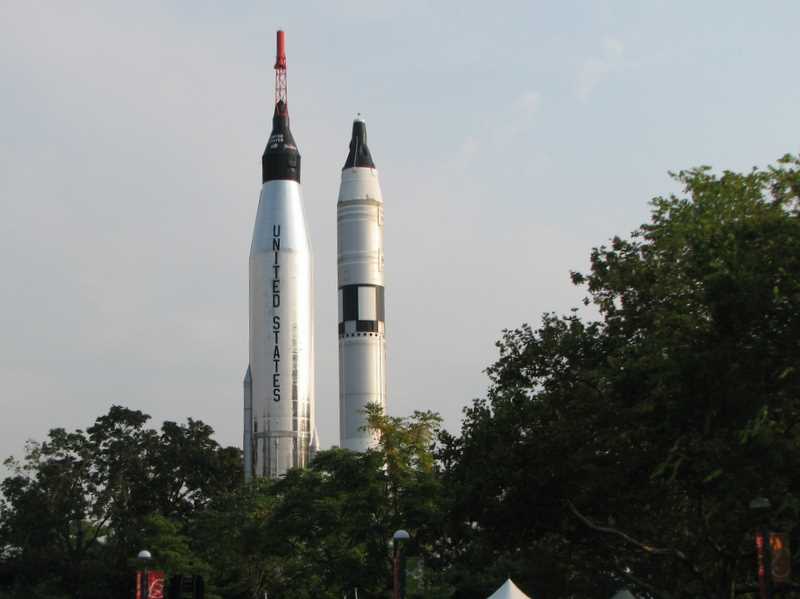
(399, 563)
(142, 582)
(760, 506)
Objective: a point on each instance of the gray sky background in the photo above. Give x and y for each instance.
(511, 137)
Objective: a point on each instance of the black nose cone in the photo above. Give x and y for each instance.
(359, 152)
(281, 159)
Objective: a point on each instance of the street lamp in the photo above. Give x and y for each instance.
(142, 579)
(760, 506)
(399, 563)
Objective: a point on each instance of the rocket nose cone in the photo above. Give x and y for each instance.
(359, 152)
(281, 110)
(281, 158)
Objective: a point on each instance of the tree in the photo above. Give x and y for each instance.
(324, 531)
(170, 544)
(82, 503)
(625, 450)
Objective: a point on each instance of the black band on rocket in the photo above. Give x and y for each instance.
(361, 303)
(362, 326)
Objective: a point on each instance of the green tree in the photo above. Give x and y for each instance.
(229, 534)
(625, 451)
(170, 543)
(82, 503)
(324, 531)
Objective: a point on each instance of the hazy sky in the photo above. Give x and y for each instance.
(511, 137)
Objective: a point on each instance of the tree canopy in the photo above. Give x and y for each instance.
(81, 504)
(625, 449)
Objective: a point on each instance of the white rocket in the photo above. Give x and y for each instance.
(279, 427)
(362, 332)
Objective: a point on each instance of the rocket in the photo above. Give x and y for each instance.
(279, 428)
(362, 330)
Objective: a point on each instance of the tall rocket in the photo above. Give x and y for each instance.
(362, 331)
(279, 428)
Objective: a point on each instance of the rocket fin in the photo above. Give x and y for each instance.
(314, 447)
(247, 441)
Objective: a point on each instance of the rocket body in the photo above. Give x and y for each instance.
(281, 332)
(279, 429)
(362, 331)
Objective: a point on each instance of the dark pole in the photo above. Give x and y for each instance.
(396, 570)
(761, 506)
(399, 564)
(761, 555)
(402, 574)
(767, 562)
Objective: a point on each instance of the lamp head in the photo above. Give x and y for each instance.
(401, 535)
(145, 555)
(760, 504)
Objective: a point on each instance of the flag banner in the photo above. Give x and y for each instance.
(150, 584)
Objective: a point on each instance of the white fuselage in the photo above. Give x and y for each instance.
(362, 340)
(279, 388)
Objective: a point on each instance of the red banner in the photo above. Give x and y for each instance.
(762, 565)
(780, 563)
(153, 588)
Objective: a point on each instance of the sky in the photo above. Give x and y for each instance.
(511, 138)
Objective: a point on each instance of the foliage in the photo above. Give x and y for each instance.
(324, 531)
(625, 451)
(80, 504)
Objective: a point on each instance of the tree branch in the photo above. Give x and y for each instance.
(647, 548)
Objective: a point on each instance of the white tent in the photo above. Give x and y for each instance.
(508, 591)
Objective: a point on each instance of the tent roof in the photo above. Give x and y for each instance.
(508, 591)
